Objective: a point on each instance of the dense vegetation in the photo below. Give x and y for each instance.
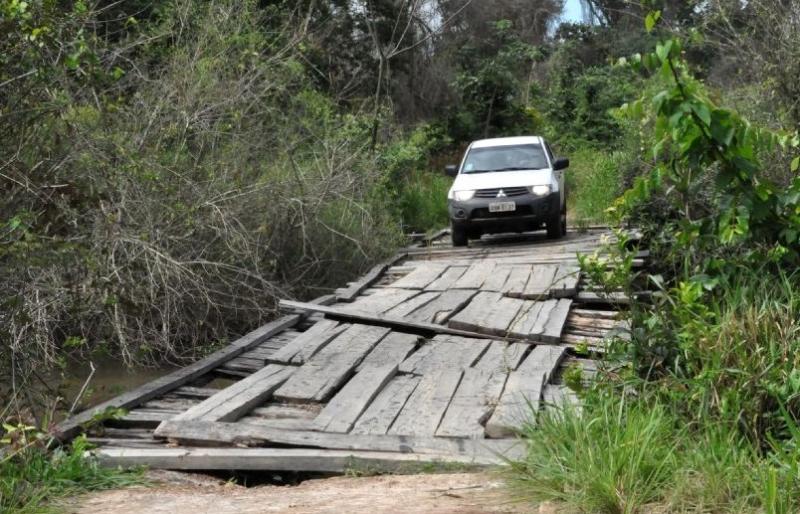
(168, 169)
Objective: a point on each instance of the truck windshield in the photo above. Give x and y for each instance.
(505, 158)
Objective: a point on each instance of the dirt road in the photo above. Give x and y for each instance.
(446, 493)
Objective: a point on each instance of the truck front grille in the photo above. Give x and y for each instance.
(507, 191)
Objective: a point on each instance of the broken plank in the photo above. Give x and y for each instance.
(425, 407)
(70, 427)
(317, 379)
(343, 410)
(381, 300)
(441, 308)
(502, 356)
(475, 275)
(393, 349)
(412, 304)
(517, 405)
(488, 313)
(447, 279)
(383, 410)
(526, 325)
(555, 322)
(236, 433)
(233, 401)
(472, 403)
(497, 279)
(545, 358)
(517, 279)
(538, 287)
(421, 277)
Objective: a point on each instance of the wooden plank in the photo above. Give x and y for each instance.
(277, 459)
(525, 325)
(445, 352)
(421, 277)
(565, 281)
(412, 304)
(304, 346)
(523, 392)
(447, 279)
(472, 404)
(393, 349)
(71, 427)
(349, 293)
(343, 410)
(317, 379)
(383, 410)
(517, 279)
(502, 356)
(278, 423)
(538, 287)
(442, 308)
(404, 325)
(286, 411)
(488, 313)
(236, 433)
(381, 300)
(476, 275)
(497, 279)
(195, 392)
(232, 402)
(425, 407)
(517, 405)
(555, 322)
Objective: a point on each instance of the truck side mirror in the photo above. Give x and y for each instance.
(560, 163)
(451, 170)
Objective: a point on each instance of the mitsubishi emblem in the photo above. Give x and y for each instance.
(501, 194)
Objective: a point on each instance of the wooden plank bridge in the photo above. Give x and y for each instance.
(440, 354)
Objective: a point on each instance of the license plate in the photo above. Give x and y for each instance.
(502, 207)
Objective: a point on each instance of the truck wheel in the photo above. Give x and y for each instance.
(556, 223)
(458, 235)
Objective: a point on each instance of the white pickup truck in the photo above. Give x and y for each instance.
(510, 184)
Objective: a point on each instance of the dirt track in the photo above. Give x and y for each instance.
(446, 493)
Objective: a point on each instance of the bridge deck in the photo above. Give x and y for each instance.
(438, 355)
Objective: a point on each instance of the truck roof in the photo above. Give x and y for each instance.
(506, 141)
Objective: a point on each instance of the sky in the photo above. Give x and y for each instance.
(572, 11)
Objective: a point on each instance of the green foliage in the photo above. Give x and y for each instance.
(30, 477)
(633, 454)
(595, 179)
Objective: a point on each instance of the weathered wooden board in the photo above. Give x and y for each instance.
(425, 407)
(422, 276)
(497, 279)
(383, 410)
(343, 410)
(317, 379)
(72, 426)
(472, 403)
(447, 279)
(555, 322)
(538, 287)
(501, 356)
(541, 321)
(349, 293)
(444, 352)
(475, 275)
(393, 349)
(516, 281)
(381, 300)
(565, 281)
(522, 395)
(232, 402)
(488, 313)
(236, 433)
(443, 307)
(407, 307)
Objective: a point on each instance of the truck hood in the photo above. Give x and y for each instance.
(473, 181)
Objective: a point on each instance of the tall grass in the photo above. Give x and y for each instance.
(627, 456)
(423, 201)
(595, 179)
(31, 479)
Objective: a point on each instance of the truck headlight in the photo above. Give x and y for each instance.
(540, 190)
(463, 196)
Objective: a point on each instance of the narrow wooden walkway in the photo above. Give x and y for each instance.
(439, 355)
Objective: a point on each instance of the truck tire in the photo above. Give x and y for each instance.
(458, 236)
(556, 223)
